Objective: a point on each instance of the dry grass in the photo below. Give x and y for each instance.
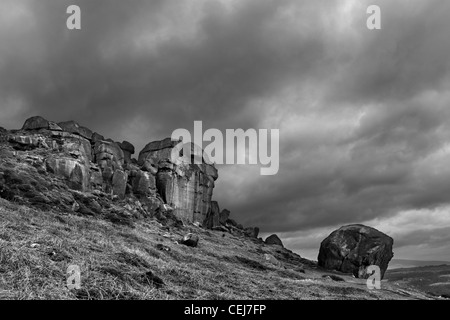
(119, 262)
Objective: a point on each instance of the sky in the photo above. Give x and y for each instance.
(363, 115)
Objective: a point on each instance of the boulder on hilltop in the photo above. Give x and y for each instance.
(351, 249)
(273, 240)
(35, 123)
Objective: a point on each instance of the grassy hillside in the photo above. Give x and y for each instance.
(143, 260)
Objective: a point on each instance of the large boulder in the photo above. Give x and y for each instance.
(351, 249)
(35, 123)
(190, 240)
(273, 240)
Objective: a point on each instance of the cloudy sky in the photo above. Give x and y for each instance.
(364, 116)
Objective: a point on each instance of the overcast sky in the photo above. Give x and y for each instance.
(364, 116)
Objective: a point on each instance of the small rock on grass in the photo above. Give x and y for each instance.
(162, 247)
(333, 277)
(190, 240)
(151, 278)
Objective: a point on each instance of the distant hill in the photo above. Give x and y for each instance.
(404, 263)
(433, 280)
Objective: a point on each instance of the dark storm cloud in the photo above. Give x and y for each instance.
(107, 74)
(392, 159)
(363, 115)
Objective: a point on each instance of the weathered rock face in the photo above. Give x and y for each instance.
(108, 154)
(143, 183)
(66, 166)
(119, 183)
(186, 187)
(74, 171)
(70, 169)
(351, 249)
(273, 239)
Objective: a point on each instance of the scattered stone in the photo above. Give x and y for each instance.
(351, 249)
(232, 223)
(333, 277)
(150, 278)
(58, 255)
(221, 228)
(299, 270)
(162, 247)
(224, 215)
(270, 258)
(75, 207)
(273, 240)
(190, 240)
(197, 224)
(252, 232)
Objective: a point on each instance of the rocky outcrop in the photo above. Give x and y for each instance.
(68, 167)
(70, 158)
(351, 249)
(273, 240)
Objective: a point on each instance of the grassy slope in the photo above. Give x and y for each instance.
(36, 247)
